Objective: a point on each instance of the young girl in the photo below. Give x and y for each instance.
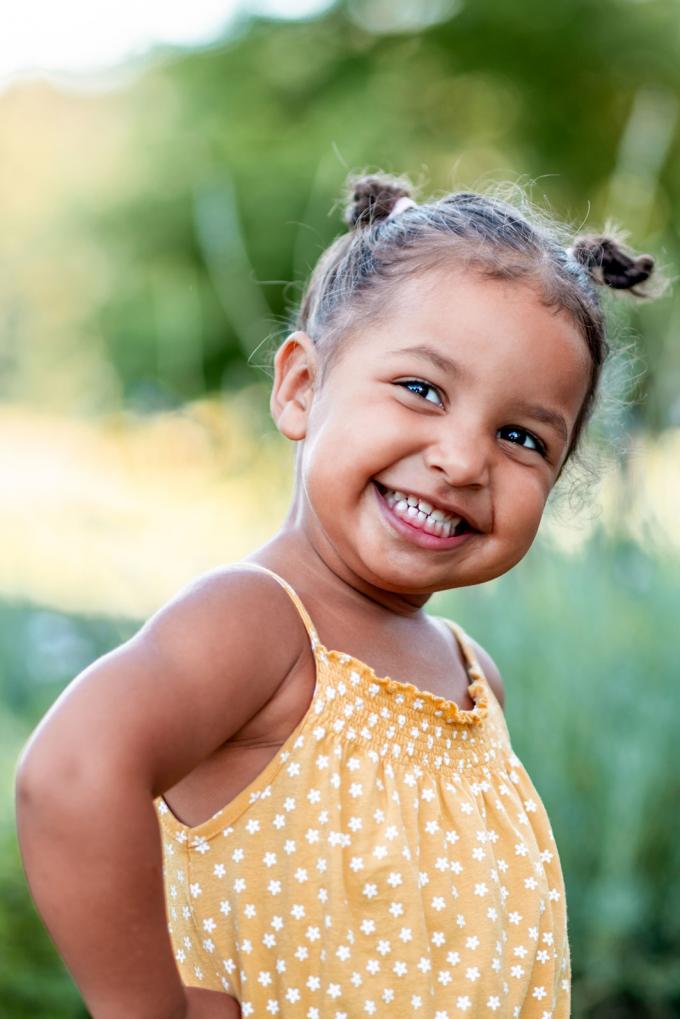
(336, 843)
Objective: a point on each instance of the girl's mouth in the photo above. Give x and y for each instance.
(419, 523)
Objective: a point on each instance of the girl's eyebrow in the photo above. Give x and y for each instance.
(549, 417)
(446, 364)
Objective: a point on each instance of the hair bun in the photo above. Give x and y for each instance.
(372, 198)
(611, 266)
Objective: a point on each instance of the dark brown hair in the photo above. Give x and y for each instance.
(483, 232)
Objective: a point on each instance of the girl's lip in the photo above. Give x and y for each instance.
(416, 534)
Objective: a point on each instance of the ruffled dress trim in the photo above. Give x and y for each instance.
(417, 699)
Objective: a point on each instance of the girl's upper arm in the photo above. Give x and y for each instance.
(194, 674)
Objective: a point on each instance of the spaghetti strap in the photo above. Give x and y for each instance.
(304, 615)
(468, 650)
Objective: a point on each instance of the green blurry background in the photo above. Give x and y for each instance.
(155, 237)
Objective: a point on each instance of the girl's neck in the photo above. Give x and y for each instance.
(314, 566)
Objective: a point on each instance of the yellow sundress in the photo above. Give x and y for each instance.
(393, 859)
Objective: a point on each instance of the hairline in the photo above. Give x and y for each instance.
(343, 334)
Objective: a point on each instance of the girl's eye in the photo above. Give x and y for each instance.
(521, 437)
(421, 388)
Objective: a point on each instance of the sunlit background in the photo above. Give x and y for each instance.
(169, 174)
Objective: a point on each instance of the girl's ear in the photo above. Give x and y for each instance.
(295, 370)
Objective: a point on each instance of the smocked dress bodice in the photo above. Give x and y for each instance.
(393, 859)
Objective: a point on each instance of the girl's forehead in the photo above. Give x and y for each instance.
(460, 309)
(447, 296)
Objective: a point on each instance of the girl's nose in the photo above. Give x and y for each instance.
(462, 458)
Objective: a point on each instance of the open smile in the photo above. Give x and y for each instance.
(418, 522)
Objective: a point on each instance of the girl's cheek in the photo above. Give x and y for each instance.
(522, 508)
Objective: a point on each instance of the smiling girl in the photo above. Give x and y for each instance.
(293, 792)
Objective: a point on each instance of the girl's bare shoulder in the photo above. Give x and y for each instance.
(197, 671)
(228, 616)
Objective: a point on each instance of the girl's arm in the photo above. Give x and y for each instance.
(125, 730)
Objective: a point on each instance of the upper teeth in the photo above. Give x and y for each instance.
(419, 510)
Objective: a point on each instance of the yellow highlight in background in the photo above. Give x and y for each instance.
(112, 516)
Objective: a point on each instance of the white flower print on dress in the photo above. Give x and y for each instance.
(392, 858)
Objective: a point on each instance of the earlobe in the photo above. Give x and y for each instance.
(295, 370)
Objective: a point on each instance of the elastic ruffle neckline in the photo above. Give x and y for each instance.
(442, 708)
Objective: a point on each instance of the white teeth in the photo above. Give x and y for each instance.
(434, 521)
(452, 524)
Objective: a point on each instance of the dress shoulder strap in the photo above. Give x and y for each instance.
(304, 615)
(474, 668)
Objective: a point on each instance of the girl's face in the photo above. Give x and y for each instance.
(464, 394)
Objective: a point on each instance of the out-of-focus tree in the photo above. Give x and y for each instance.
(230, 158)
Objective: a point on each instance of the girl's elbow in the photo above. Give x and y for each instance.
(46, 778)
(30, 780)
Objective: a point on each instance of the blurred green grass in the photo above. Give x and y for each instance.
(587, 647)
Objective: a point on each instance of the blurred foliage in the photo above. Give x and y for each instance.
(181, 216)
(597, 732)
